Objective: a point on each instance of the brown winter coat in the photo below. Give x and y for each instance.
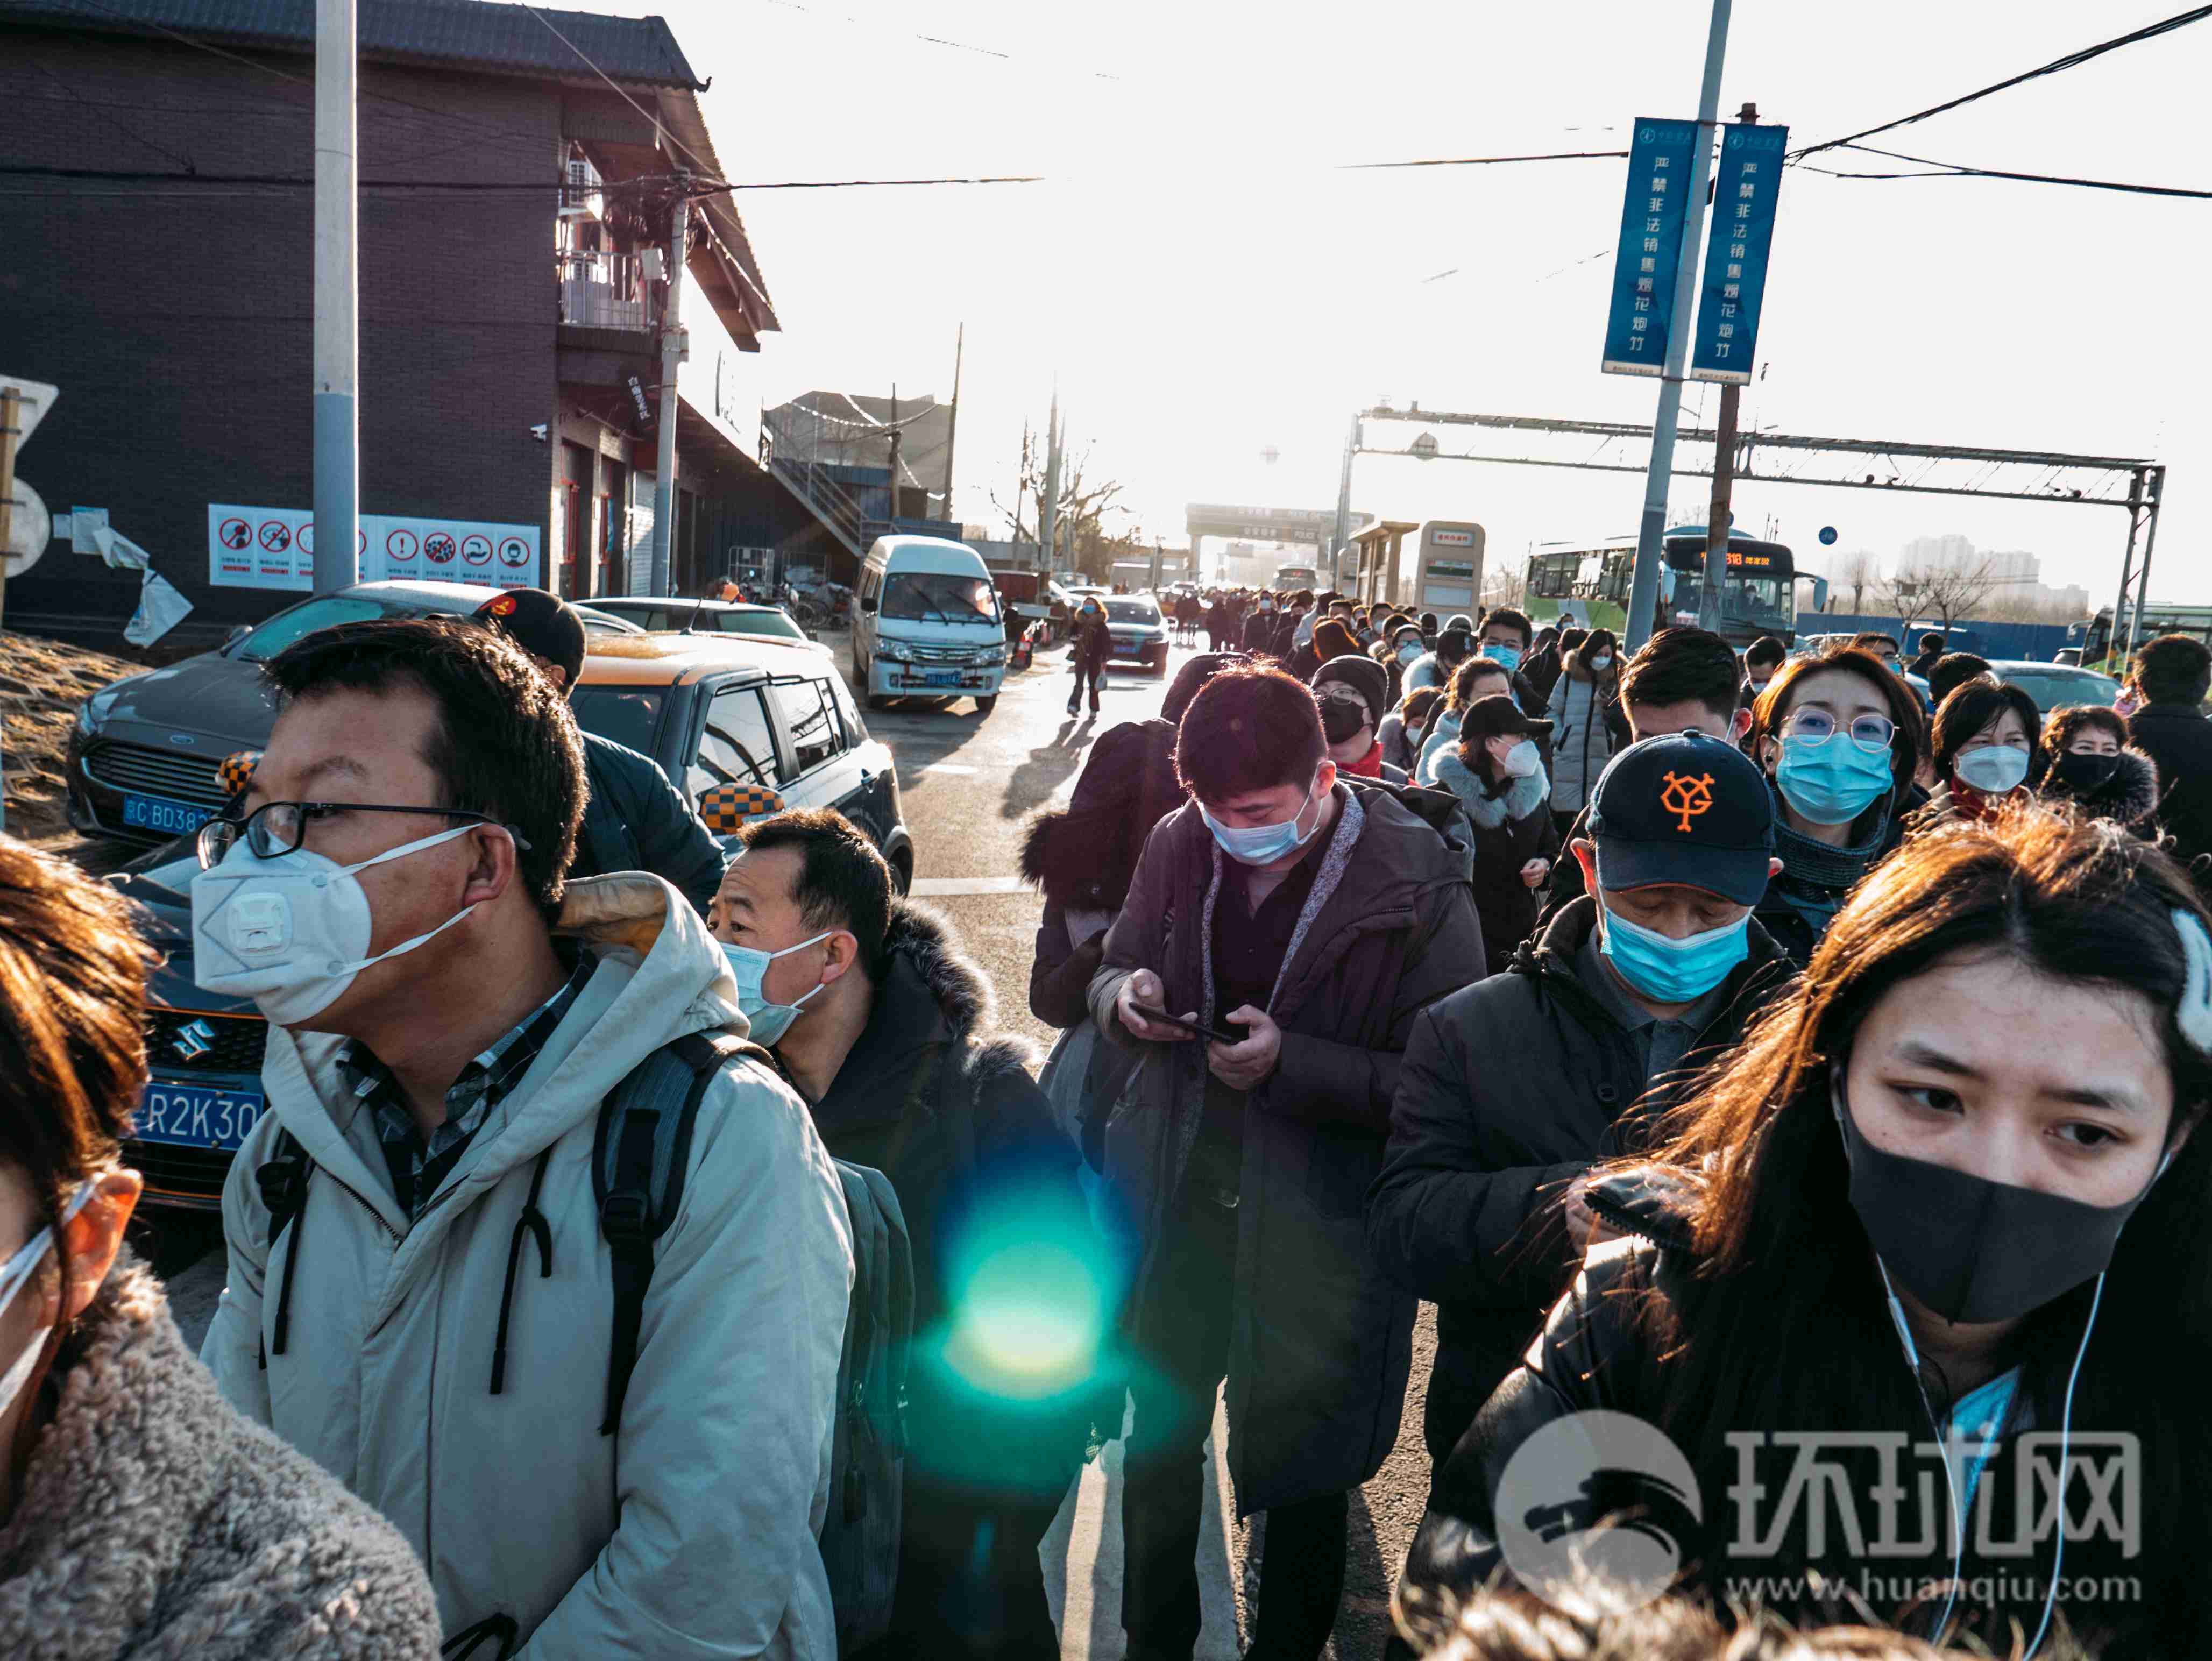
(155, 1522)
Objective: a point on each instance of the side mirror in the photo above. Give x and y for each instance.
(723, 808)
(868, 603)
(236, 635)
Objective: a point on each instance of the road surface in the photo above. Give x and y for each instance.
(968, 785)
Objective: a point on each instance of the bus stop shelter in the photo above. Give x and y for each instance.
(1380, 546)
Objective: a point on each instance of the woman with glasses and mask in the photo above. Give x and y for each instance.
(139, 1515)
(1839, 735)
(1985, 752)
(1925, 1249)
(2095, 771)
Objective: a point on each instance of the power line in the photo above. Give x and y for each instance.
(1957, 169)
(2071, 60)
(876, 184)
(1482, 161)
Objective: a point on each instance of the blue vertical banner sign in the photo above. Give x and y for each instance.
(1644, 266)
(1736, 248)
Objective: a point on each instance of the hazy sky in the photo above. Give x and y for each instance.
(1207, 287)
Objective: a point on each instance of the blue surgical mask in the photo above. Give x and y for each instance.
(1509, 656)
(1667, 970)
(1410, 652)
(1261, 845)
(1832, 781)
(1602, 663)
(750, 964)
(1993, 769)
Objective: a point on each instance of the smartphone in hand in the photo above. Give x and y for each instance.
(1191, 1026)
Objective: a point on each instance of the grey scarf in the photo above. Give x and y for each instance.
(1810, 865)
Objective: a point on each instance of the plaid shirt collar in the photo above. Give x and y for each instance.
(418, 1166)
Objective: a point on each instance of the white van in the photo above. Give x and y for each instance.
(926, 624)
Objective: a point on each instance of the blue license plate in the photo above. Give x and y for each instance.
(152, 812)
(941, 677)
(194, 1116)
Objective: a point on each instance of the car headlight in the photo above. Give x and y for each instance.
(990, 655)
(93, 710)
(896, 652)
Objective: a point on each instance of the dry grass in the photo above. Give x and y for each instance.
(41, 684)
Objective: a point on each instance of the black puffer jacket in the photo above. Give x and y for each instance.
(2178, 739)
(1761, 1522)
(635, 821)
(1082, 855)
(1506, 905)
(1510, 1090)
(949, 1111)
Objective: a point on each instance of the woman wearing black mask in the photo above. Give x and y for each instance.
(1944, 1196)
(2093, 769)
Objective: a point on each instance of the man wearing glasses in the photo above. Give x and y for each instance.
(420, 1292)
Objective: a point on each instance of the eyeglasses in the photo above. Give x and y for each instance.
(1817, 726)
(275, 828)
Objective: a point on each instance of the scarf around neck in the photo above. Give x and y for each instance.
(1809, 864)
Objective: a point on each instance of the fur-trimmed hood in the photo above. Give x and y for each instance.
(155, 1522)
(2129, 797)
(1084, 854)
(924, 942)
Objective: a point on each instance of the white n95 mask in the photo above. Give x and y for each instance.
(292, 932)
(15, 1275)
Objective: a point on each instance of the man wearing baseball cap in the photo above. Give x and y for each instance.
(633, 819)
(1513, 1088)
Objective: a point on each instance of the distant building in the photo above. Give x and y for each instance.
(515, 215)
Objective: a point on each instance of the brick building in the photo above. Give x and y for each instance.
(157, 265)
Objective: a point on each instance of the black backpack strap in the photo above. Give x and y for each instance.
(282, 1180)
(639, 1160)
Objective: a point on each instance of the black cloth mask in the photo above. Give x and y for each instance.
(1341, 718)
(2086, 773)
(1970, 1249)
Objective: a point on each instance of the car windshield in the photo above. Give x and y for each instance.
(2054, 689)
(627, 715)
(1132, 611)
(940, 596)
(772, 625)
(326, 612)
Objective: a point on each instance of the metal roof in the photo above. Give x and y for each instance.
(475, 34)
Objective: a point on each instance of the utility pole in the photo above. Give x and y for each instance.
(672, 353)
(2157, 488)
(952, 420)
(1716, 515)
(338, 303)
(2127, 563)
(1048, 501)
(895, 436)
(1343, 500)
(1651, 531)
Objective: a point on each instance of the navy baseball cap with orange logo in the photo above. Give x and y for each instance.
(1684, 808)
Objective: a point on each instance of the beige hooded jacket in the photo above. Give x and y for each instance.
(690, 1531)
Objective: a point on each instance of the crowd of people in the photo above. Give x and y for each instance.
(651, 1253)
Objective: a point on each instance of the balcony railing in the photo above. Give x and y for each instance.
(601, 289)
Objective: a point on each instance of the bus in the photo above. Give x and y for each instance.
(2097, 643)
(1589, 584)
(1290, 578)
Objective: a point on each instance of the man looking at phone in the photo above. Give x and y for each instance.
(1315, 917)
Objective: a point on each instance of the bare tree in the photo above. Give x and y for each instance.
(1085, 508)
(1858, 572)
(1952, 591)
(1947, 591)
